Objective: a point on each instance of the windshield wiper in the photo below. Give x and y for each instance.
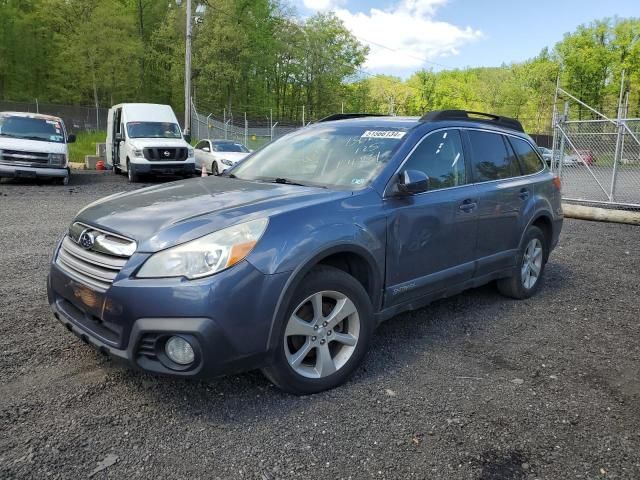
(286, 181)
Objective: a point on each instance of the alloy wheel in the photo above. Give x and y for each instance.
(531, 263)
(321, 334)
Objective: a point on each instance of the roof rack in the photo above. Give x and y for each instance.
(345, 116)
(506, 122)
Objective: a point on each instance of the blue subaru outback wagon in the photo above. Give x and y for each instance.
(289, 261)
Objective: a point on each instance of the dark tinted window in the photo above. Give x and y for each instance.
(493, 159)
(440, 157)
(530, 161)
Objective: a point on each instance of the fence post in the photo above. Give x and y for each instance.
(564, 118)
(246, 130)
(617, 156)
(271, 124)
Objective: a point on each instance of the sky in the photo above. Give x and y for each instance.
(407, 35)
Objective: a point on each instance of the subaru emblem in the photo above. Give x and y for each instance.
(86, 240)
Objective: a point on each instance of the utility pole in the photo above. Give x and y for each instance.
(187, 73)
(303, 115)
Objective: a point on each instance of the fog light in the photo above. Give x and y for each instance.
(179, 351)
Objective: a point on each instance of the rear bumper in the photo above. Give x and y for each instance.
(19, 171)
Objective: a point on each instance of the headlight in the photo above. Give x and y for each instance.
(206, 255)
(57, 159)
(226, 162)
(190, 152)
(137, 152)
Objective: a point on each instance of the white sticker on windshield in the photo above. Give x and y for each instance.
(383, 134)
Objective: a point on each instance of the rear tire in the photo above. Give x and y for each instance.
(324, 334)
(531, 262)
(214, 169)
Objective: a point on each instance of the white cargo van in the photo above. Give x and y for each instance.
(145, 138)
(34, 146)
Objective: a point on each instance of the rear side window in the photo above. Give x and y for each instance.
(493, 158)
(529, 159)
(441, 158)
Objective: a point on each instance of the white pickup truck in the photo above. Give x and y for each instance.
(145, 138)
(34, 146)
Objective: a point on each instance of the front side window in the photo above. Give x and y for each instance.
(493, 159)
(529, 159)
(441, 158)
(153, 130)
(342, 156)
(31, 128)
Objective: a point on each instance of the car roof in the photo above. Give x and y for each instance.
(40, 116)
(413, 122)
(374, 121)
(222, 140)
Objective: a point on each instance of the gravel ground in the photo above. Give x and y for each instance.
(476, 386)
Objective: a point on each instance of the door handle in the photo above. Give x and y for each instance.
(468, 205)
(524, 194)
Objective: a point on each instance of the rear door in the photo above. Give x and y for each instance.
(504, 200)
(431, 237)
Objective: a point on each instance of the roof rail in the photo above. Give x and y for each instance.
(345, 116)
(506, 122)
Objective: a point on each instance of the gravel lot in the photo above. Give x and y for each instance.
(476, 386)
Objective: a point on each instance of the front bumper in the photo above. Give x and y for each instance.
(226, 317)
(169, 168)
(19, 171)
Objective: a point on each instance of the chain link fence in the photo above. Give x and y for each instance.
(252, 133)
(76, 118)
(598, 160)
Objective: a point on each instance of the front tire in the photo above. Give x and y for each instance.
(214, 169)
(531, 262)
(324, 335)
(132, 176)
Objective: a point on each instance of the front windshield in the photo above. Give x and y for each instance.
(229, 147)
(153, 130)
(31, 128)
(329, 156)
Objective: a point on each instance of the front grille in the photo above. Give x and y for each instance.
(165, 154)
(24, 158)
(98, 265)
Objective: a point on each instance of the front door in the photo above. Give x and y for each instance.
(431, 237)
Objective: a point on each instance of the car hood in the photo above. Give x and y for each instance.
(165, 215)
(8, 143)
(157, 142)
(233, 156)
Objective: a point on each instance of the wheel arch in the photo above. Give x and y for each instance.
(350, 258)
(542, 220)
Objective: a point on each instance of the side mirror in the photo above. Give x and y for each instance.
(119, 137)
(187, 137)
(411, 182)
(206, 149)
(71, 138)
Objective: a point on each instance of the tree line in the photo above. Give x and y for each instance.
(259, 56)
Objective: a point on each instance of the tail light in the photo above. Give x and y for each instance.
(557, 182)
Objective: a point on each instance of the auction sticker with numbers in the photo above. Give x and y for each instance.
(383, 134)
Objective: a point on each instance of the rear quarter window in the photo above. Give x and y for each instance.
(529, 159)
